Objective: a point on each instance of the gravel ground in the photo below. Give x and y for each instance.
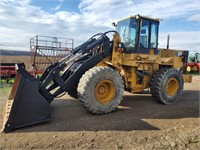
(139, 123)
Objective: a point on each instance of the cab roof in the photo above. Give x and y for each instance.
(143, 17)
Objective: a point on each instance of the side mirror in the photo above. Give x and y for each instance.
(114, 24)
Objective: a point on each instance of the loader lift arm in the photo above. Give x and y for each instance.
(34, 95)
(87, 58)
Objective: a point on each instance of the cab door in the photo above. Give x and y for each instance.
(148, 38)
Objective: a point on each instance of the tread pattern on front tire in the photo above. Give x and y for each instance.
(158, 83)
(87, 85)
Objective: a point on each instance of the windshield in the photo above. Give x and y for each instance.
(127, 31)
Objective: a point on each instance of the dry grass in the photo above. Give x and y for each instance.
(27, 60)
(16, 59)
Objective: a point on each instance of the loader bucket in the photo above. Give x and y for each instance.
(25, 106)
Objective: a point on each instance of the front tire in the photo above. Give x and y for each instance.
(167, 86)
(101, 90)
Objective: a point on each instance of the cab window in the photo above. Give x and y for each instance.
(144, 34)
(127, 30)
(154, 33)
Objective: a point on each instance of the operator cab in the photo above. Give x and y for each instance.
(139, 34)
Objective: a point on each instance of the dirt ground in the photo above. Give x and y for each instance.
(139, 123)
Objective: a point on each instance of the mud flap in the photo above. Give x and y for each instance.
(25, 106)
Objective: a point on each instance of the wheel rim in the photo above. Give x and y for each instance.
(104, 91)
(172, 86)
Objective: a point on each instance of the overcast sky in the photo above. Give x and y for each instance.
(80, 19)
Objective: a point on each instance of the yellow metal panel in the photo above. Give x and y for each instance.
(117, 51)
(143, 66)
(155, 67)
(167, 53)
(178, 62)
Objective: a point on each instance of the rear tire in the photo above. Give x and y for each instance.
(167, 85)
(101, 90)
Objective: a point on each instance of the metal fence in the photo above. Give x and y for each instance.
(47, 50)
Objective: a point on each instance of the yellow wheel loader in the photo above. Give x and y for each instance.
(99, 71)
